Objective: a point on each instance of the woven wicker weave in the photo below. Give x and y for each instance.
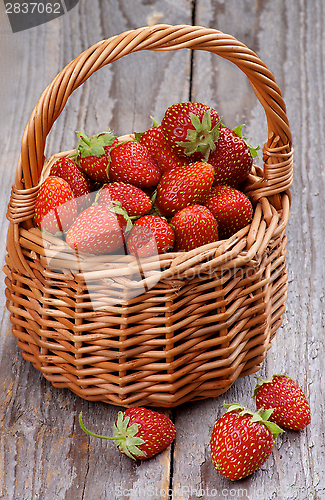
(211, 315)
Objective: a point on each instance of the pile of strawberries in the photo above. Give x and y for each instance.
(241, 439)
(174, 187)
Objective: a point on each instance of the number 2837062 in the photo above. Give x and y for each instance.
(34, 8)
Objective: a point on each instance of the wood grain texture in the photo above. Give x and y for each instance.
(43, 452)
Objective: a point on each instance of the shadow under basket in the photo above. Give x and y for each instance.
(172, 328)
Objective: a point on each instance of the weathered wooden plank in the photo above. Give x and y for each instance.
(282, 33)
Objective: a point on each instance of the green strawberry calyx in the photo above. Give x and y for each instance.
(202, 138)
(95, 144)
(116, 207)
(239, 132)
(124, 436)
(262, 382)
(261, 416)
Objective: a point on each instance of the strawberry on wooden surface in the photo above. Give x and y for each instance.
(191, 128)
(132, 163)
(150, 235)
(135, 201)
(183, 186)
(80, 184)
(55, 205)
(99, 229)
(241, 441)
(153, 139)
(232, 209)
(139, 433)
(285, 396)
(194, 226)
(232, 158)
(94, 154)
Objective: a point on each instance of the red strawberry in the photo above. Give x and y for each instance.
(150, 235)
(233, 157)
(55, 206)
(241, 441)
(232, 209)
(154, 141)
(291, 408)
(194, 226)
(81, 186)
(191, 127)
(94, 155)
(132, 163)
(139, 432)
(98, 229)
(183, 186)
(135, 201)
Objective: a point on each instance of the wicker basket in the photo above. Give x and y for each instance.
(211, 314)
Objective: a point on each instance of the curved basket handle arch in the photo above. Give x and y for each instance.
(277, 151)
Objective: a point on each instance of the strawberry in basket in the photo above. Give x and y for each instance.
(135, 201)
(153, 139)
(55, 206)
(99, 229)
(132, 163)
(191, 129)
(232, 209)
(232, 158)
(139, 433)
(150, 235)
(184, 186)
(80, 184)
(194, 226)
(93, 154)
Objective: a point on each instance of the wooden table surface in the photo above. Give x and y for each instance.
(43, 452)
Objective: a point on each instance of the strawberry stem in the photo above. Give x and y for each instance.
(124, 436)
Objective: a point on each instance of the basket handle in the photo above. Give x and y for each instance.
(277, 151)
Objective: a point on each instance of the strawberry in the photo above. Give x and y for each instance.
(183, 186)
(291, 408)
(232, 209)
(232, 158)
(135, 201)
(153, 139)
(194, 226)
(81, 186)
(55, 205)
(150, 235)
(139, 433)
(191, 128)
(94, 155)
(132, 163)
(241, 441)
(99, 229)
